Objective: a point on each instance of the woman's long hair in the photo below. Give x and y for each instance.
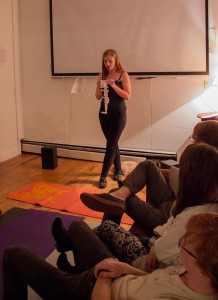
(113, 53)
(198, 177)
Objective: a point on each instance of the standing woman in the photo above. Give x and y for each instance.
(113, 117)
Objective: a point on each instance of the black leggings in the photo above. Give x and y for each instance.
(112, 125)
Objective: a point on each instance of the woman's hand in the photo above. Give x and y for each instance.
(99, 84)
(109, 267)
(110, 82)
(151, 260)
(112, 268)
(98, 92)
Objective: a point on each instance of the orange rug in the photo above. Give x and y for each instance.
(60, 197)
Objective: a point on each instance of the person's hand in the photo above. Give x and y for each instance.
(111, 82)
(99, 84)
(109, 267)
(151, 260)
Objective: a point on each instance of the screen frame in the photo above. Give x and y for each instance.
(54, 73)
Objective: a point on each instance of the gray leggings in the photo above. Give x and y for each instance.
(159, 197)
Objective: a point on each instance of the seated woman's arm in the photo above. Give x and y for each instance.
(104, 272)
(102, 289)
(113, 268)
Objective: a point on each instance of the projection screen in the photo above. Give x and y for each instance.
(152, 37)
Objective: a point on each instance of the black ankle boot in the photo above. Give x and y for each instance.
(117, 176)
(60, 235)
(102, 183)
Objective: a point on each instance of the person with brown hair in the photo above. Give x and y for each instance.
(100, 276)
(198, 193)
(159, 195)
(206, 132)
(112, 114)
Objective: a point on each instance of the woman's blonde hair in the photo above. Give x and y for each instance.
(113, 53)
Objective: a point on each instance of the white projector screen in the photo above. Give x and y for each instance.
(152, 37)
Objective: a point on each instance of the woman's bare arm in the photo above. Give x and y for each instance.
(113, 268)
(98, 92)
(102, 289)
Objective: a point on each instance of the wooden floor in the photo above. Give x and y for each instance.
(26, 168)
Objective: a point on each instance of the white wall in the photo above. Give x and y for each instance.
(161, 113)
(10, 101)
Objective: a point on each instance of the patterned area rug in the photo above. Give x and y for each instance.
(60, 197)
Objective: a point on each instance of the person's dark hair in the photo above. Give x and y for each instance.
(202, 231)
(207, 132)
(113, 53)
(198, 177)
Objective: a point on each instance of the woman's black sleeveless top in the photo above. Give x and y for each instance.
(116, 103)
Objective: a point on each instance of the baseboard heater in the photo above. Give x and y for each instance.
(92, 153)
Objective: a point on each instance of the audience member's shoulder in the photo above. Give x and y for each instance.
(203, 208)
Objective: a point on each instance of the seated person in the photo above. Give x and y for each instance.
(159, 196)
(100, 276)
(198, 193)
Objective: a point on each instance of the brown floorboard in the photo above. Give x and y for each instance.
(25, 168)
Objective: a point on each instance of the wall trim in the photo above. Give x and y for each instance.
(92, 153)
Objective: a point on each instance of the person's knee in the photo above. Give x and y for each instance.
(12, 252)
(76, 225)
(151, 168)
(150, 163)
(147, 165)
(14, 249)
(76, 229)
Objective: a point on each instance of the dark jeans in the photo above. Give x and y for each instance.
(159, 197)
(112, 125)
(21, 267)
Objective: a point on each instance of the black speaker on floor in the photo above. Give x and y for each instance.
(49, 157)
